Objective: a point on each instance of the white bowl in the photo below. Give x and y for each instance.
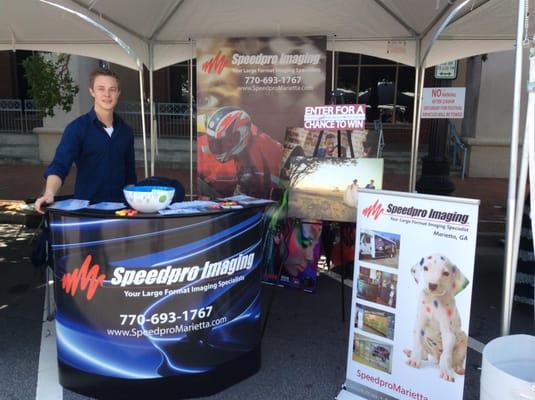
(149, 199)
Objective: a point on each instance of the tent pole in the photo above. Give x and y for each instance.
(191, 121)
(333, 69)
(415, 114)
(525, 169)
(508, 281)
(131, 53)
(421, 75)
(122, 44)
(143, 120)
(151, 96)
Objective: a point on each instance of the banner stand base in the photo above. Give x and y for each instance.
(347, 395)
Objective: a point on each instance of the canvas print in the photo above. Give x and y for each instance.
(326, 188)
(300, 142)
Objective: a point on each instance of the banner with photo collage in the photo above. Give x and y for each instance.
(411, 298)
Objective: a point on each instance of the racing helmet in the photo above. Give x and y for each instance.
(228, 130)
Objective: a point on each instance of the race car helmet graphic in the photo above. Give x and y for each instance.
(228, 130)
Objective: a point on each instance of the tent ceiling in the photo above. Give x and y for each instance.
(170, 24)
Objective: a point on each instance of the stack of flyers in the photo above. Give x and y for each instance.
(246, 200)
(107, 205)
(199, 205)
(69, 204)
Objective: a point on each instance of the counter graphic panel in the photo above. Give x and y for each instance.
(156, 298)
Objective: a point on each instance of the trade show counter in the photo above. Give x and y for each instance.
(152, 306)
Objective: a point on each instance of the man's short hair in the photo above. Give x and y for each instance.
(103, 72)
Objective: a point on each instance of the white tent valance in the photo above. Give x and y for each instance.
(169, 26)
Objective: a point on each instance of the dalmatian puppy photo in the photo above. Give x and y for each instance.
(437, 331)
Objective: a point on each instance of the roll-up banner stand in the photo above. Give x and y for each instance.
(249, 91)
(157, 306)
(412, 289)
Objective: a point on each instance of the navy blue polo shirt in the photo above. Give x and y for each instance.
(104, 164)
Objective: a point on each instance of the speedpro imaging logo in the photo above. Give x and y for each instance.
(215, 64)
(83, 277)
(374, 210)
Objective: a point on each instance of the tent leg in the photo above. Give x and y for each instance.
(415, 115)
(143, 128)
(508, 281)
(151, 97)
(191, 122)
(416, 130)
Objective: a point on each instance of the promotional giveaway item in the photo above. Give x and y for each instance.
(157, 304)
(250, 90)
(412, 290)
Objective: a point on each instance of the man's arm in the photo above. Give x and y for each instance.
(67, 150)
(53, 184)
(131, 177)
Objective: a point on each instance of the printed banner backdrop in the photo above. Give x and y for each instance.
(411, 296)
(249, 91)
(149, 298)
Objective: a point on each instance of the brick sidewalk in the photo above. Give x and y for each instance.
(21, 182)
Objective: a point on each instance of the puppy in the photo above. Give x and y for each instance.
(437, 331)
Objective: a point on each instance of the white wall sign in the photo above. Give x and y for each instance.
(411, 297)
(341, 116)
(443, 102)
(447, 70)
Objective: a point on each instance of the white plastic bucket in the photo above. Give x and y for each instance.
(508, 369)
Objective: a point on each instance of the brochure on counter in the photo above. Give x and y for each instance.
(69, 205)
(107, 205)
(247, 200)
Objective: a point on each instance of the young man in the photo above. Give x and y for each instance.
(100, 144)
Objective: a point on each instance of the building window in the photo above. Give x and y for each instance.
(179, 82)
(386, 87)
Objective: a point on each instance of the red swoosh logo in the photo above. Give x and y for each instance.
(85, 278)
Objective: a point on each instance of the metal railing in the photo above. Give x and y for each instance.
(32, 116)
(172, 119)
(11, 116)
(457, 150)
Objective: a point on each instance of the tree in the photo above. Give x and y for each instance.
(302, 167)
(50, 82)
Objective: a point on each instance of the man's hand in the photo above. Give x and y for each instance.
(43, 201)
(53, 183)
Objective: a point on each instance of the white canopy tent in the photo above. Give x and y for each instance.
(159, 33)
(168, 26)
